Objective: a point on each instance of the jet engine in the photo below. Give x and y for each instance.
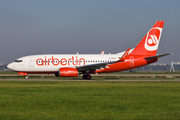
(67, 72)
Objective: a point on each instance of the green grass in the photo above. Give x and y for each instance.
(46, 100)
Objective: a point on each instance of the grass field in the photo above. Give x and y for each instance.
(89, 100)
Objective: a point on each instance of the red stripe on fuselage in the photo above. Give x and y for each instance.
(127, 64)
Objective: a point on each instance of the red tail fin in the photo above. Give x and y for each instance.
(149, 44)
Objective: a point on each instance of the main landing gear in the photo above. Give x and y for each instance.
(87, 77)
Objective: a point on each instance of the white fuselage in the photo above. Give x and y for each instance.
(52, 62)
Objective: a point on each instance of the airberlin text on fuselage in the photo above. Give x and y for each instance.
(63, 61)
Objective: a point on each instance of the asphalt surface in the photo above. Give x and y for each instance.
(86, 80)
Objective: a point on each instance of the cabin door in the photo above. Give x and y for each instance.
(31, 62)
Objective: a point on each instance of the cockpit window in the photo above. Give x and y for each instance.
(18, 61)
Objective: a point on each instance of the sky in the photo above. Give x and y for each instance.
(85, 26)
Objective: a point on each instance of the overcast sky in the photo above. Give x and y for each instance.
(85, 26)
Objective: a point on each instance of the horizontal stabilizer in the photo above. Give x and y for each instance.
(158, 56)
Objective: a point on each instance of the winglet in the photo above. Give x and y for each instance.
(124, 55)
(102, 53)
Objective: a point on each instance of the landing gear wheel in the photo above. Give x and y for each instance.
(26, 77)
(87, 77)
(84, 76)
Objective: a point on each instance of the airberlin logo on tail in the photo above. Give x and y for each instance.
(152, 39)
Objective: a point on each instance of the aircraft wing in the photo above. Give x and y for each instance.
(93, 67)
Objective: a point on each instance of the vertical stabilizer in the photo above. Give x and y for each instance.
(149, 44)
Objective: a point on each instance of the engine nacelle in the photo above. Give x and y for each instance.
(67, 72)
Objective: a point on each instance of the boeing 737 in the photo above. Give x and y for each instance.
(72, 65)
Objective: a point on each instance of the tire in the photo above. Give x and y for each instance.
(84, 76)
(88, 77)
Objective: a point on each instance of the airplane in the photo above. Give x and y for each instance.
(72, 65)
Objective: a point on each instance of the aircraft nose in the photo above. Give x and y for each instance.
(10, 66)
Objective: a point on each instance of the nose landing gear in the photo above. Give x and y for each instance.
(26, 77)
(86, 77)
